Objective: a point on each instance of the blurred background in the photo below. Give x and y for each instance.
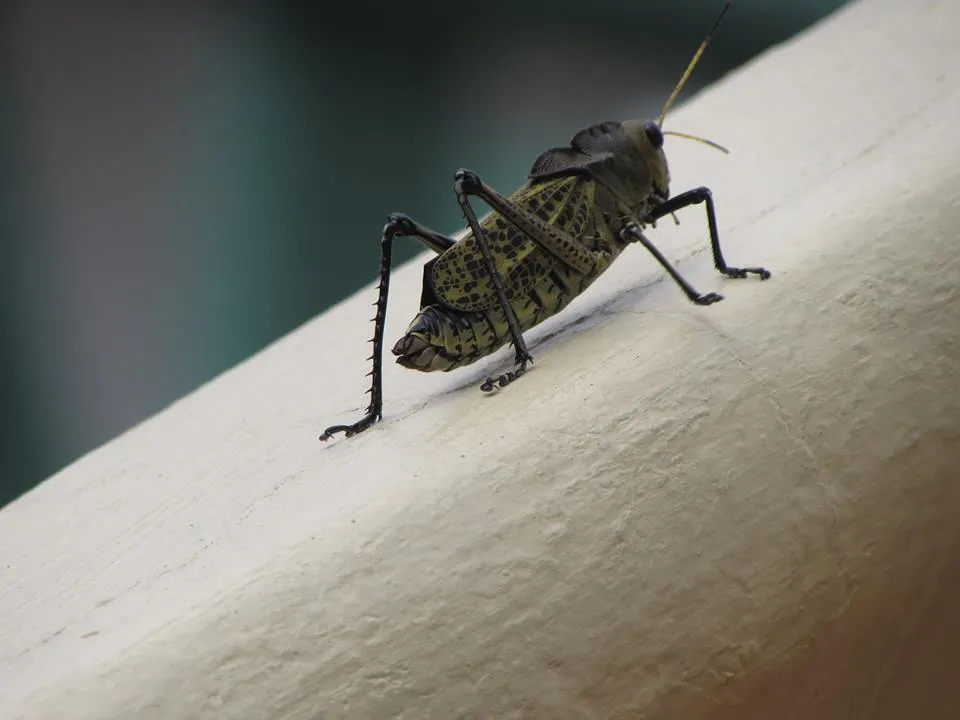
(181, 183)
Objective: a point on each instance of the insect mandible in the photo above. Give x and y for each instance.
(538, 249)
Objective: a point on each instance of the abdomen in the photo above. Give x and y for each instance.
(441, 338)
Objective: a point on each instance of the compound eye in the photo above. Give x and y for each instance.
(654, 135)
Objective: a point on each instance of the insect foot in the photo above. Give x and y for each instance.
(503, 380)
(708, 299)
(735, 272)
(369, 419)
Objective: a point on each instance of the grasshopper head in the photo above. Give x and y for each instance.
(648, 138)
(647, 135)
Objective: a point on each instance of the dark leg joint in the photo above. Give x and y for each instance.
(468, 181)
(405, 226)
(399, 224)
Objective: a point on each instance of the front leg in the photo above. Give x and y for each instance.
(695, 197)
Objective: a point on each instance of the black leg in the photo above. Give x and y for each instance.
(397, 224)
(408, 227)
(632, 233)
(695, 197)
(468, 183)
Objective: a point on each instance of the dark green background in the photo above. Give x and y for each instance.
(181, 184)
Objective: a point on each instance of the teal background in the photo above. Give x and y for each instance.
(183, 183)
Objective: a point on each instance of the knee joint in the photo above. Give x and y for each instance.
(467, 180)
(399, 224)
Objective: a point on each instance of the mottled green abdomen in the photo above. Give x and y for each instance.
(461, 320)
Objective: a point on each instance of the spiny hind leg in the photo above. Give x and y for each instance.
(468, 183)
(397, 224)
(695, 197)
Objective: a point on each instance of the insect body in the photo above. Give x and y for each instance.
(461, 317)
(539, 248)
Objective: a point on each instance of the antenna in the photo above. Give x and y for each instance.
(692, 65)
(711, 143)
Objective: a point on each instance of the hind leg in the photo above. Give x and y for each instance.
(402, 225)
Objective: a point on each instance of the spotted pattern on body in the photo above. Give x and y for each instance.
(459, 278)
(446, 335)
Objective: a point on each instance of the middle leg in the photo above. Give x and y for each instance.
(468, 183)
(632, 232)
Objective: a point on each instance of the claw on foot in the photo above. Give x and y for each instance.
(350, 430)
(736, 272)
(708, 299)
(503, 380)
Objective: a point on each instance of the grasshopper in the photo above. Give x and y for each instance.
(538, 249)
